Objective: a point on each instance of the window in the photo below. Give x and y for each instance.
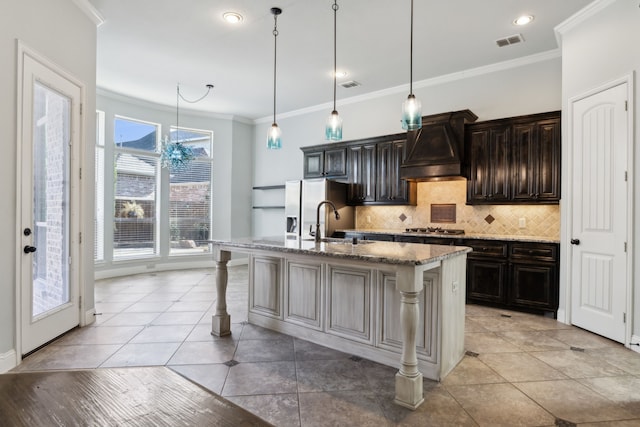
(190, 195)
(135, 189)
(98, 243)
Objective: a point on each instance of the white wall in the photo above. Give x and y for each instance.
(69, 40)
(597, 50)
(492, 93)
(231, 176)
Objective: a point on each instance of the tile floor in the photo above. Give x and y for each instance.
(520, 369)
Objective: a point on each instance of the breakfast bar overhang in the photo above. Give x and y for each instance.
(399, 304)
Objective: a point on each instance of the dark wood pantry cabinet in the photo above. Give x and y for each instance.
(514, 160)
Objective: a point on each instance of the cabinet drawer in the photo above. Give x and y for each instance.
(486, 248)
(408, 239)
(534, 251)
(377, 236)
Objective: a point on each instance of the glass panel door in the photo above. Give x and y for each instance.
(48, 202)
(51, 138)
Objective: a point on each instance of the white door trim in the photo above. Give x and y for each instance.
(628, 80)
(22, 51)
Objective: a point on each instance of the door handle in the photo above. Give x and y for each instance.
(28, 249)
(575, 241)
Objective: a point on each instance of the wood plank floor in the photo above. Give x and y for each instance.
(149, 396)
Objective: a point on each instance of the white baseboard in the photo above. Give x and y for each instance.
(8, 361)
(127, 270)
(561, 316)
(635, 339)
(89, 317)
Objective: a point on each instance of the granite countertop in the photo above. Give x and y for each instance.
(514, 238)
(370, 251)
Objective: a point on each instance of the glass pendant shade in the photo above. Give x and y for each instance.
(333, 129)
(274, 141)
(411, 113)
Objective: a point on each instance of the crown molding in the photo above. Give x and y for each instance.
(116, 96)
(447, 78)
(579, 17)
(90, 11)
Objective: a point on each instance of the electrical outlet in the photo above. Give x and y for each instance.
(409, 220)
(454, 286)
(522, 223)
(368, 219)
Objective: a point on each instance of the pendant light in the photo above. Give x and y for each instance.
(411, 108)
(274, 141)
(333, 129)
(175, 155)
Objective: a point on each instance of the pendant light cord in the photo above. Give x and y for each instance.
(275, 57)
(178, 96)
(411, 54)
(335, 61)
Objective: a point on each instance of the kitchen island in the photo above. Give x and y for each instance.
(400, 304)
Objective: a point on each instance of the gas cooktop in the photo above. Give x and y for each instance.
(434, 230)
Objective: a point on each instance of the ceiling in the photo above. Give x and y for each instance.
(147, 47)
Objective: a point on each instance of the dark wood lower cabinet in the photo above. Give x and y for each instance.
(516, 275)
(486, 280)
(523, 276)
(534, 286)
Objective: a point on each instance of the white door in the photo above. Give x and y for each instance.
(49, 133)
(599, 212)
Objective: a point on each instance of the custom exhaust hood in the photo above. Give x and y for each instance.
(436, 151)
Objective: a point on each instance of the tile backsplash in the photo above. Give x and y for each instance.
(539, 220)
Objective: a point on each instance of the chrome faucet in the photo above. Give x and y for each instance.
(330, 203)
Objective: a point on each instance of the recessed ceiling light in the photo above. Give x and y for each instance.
(340, 74)
(232, 17)
(523, 20)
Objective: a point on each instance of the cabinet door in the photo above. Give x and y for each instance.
(314, 164)
(384, 172)
(335, 162)
(399, 187)
(486, 280)
(534, 286)
(362, 160)
(349, 303)
(265, 295)
(548, 171)
(525, 164)
(389, 187)
(536, 161)
(489, 164)
(303, 294)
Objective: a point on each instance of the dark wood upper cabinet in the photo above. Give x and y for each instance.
(488, 151)
(536, 160)
(390, 188)
(362, 173)
(371, 166)
(514, 160)
(325, 162)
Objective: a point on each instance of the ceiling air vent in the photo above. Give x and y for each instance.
(516, 38)
(350, 84)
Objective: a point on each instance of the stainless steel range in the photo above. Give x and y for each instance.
(434, 230)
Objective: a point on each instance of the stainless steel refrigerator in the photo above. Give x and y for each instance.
(301, 207)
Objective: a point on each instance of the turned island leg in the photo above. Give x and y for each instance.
(221, 321)
(409, 388)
